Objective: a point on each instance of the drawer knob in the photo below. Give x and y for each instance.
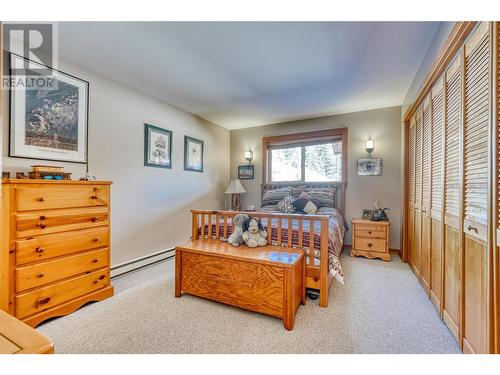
(96, 240)
(40, 275)
(370, 244)
(94, 219)
(471, 228)
(43, 301)
(95, 190)
(42, 218)
(41, 199)
(369, 232)
(39, 250)
(94, 260)
(102, 277)
(93, 197)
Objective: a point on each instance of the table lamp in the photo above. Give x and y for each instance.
(235, 188)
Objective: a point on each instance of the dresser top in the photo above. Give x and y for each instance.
(54, 182)
(370, 222)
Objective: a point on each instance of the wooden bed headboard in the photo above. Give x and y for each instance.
(338, 186)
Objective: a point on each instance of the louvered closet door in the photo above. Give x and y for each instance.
(497, 197)
(425, 252)
(452, 193)
(418, 193)
(411, 192)
(437, 181)
(476, 187)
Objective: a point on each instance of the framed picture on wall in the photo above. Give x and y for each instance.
(245, 172)
(193, 154)
(157, 147)
(370, 167)
(49, 118)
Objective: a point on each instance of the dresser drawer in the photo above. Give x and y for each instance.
(43, 273)
(39, 197)
(30, 224)
(41, 299)
(370, 244)
(54, 245)
(370, 231)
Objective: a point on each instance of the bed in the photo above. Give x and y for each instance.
(327, 227)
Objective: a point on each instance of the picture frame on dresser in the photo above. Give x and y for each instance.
(38, 129)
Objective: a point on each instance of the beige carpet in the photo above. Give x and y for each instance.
(381, 309)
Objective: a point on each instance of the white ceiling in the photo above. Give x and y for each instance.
(243, 74)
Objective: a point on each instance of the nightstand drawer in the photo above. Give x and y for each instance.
(370, 231)
(370, 244)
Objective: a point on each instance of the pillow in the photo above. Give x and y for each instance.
(308, 206)
(275, 195)
(297, 190)
(286, 205)
(325, 197)
(269, 208)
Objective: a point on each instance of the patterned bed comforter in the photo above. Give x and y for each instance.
(337, 228)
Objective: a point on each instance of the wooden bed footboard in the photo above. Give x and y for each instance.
(210, 224)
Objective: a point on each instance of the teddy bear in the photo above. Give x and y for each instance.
(253, 233)
(235, 238)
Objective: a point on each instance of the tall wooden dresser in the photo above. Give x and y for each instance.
(54, 247)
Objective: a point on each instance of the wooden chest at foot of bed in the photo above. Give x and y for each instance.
(269, 280)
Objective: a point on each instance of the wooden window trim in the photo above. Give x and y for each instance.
(303, 139)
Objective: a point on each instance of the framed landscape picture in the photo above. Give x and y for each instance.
(48, 122)
(193, 154)
(370, 167)
(157, 147)
(245, 172)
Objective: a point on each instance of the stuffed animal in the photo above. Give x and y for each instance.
(253, 233)
(235, 238)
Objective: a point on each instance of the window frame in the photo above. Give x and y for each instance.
(302, 140)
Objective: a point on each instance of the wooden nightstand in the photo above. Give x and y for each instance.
(370, 239)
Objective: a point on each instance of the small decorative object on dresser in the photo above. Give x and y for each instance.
(48, 172)
(370, 239)
(5, 174)
(54, 247)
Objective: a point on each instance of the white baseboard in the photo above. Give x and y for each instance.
(144, 261)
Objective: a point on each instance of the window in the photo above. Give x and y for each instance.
(307, 157)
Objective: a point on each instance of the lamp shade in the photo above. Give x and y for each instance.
(235, 187)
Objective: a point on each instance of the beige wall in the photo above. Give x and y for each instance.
(383, 125)
(430, 57)
(150, 206)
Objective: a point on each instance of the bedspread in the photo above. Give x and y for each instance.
(336, 225)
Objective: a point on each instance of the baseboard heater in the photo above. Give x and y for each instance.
(138, 263)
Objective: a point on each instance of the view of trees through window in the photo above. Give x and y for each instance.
(322, 162)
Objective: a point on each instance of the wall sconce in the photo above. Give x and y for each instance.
(249, 156)
(369, 145)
